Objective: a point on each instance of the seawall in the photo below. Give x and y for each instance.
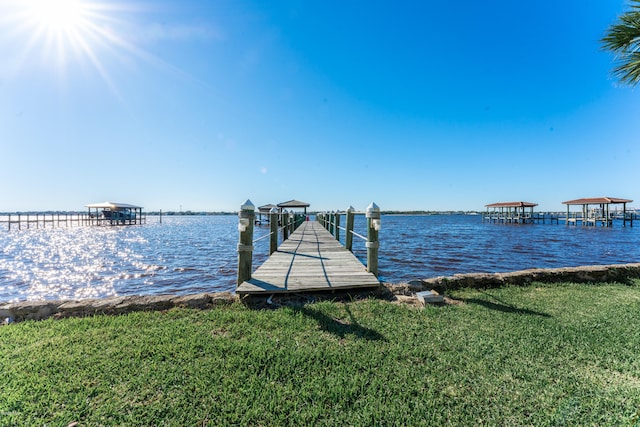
(621, 273)
(38, 310)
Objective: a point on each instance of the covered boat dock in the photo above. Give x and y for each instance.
(596, 210)
(264, 210)
(293, 204)
(510, 212)
(109, 213)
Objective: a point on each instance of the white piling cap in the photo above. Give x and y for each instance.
(350, 209)
(373, 211)
(248, 206)
(373, 208)
(273, 210)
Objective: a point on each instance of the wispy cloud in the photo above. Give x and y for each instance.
(179, 33)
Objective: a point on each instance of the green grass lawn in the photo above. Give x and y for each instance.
(556, 355)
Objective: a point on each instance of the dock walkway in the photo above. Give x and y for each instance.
(310, 260)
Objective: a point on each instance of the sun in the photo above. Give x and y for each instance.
(58, 16)
(66, 38)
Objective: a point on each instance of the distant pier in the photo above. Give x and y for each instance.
(594, 211)
(99, 214)
(517, 213)
(25, 221)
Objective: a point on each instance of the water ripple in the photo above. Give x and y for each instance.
(198, 254)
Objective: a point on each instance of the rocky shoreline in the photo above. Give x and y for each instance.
(621, 273)
(38, 310)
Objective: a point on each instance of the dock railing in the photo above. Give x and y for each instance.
(517, 217)
(19, 221)
(26, 221)
(331, 221)
(285, 223)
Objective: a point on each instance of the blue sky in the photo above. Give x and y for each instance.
(432, 105)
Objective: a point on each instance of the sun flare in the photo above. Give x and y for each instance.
(65, 38)
(58, 15)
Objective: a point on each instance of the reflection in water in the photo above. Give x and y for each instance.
(198, 254)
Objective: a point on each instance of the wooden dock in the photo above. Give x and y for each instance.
(311, 259)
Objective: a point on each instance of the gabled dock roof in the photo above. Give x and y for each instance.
(266, 208)
(597, 201)
(112, 205)
(293, 204)
(511, 205)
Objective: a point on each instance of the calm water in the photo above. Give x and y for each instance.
(198, 254)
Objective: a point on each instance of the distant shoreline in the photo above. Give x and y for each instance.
(212, 213)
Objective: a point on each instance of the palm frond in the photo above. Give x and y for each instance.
(628, 69)
(623, 39)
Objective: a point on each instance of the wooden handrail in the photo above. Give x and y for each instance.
(246, 220)
(331, 221)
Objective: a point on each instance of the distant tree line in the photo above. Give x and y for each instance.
(190, 213)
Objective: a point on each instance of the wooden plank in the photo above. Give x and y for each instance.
(310, 260)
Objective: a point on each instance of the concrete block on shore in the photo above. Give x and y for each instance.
(430, 296)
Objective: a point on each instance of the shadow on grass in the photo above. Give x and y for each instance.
(500, 305)
(341, 328)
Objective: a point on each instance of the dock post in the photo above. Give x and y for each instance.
(9, 223)
(348, 237)
(273, 223)
(285, 225)
(338, 226)
(292, 221)
(373, 226)
(246, 216)
(332, 222)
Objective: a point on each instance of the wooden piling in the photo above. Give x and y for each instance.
(332, 219)
(285, 224)
(273, 223)
(348, 238)
(373, 225)
(246, 217)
